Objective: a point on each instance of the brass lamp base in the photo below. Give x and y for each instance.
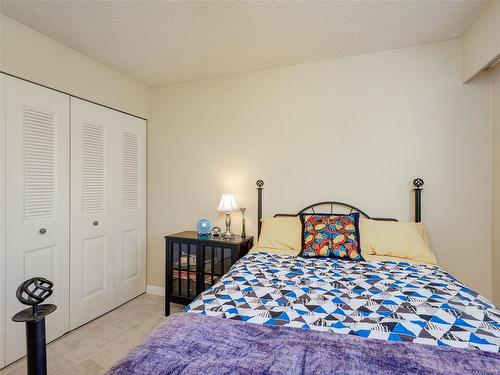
(228, 235)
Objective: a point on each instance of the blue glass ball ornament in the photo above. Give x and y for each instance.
(203, 226)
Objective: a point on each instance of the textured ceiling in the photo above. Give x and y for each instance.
(160, 42)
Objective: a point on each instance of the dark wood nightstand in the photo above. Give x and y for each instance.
(194, 263)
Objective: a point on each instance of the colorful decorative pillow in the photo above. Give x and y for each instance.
(325, 235)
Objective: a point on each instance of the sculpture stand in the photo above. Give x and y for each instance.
(33, 292)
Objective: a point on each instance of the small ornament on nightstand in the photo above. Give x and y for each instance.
(215, 232)
(243, 225)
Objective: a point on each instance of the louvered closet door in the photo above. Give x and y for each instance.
(2, 220)
(92, 215)
(130, 207)
(37, 202)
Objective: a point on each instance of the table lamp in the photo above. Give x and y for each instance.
(226, 205)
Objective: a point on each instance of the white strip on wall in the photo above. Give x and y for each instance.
(156, 290)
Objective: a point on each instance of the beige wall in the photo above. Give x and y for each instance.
(496, 185)
(356, 129)
(481, 41)
(28, 54)
(381, 119)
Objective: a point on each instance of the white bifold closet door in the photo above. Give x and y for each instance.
(37, 203)
(108, 265)
(130, 208)
(92, 212)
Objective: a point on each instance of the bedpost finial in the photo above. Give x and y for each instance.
(418, 183)
(259, 184)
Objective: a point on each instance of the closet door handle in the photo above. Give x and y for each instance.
(95, 222)
(42, 231)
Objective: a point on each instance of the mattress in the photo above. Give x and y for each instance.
(384, 258)
(386, 300)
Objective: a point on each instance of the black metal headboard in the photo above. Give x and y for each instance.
(417, 183)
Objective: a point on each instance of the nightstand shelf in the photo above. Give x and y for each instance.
(194, 263)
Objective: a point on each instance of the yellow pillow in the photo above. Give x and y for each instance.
(281, 233)
(369, 250)
(396, 239)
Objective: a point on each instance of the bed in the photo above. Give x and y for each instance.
(275, 314)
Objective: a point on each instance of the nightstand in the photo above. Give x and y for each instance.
(195, 263)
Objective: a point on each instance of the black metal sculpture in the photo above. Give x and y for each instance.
(33, 292)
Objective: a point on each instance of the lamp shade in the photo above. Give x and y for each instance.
(227, 203)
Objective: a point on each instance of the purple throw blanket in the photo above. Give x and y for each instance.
(197, 344)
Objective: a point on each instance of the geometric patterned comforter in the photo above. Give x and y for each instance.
(395, 301)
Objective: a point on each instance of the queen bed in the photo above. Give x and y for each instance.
(278, 313)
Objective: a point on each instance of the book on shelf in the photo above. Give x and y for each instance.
(184, 260)
(192, 262)
(185, 275)
(192, 276)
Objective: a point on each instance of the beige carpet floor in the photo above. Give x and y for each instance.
(95, 347)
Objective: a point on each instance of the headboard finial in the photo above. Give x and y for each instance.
(418, 183)
(260, 185)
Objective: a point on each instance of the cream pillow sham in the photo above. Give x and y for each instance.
(385, 258)
(395, 239)
(282, 234)
(285, 252)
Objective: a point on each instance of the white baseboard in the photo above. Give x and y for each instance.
(156, 290)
